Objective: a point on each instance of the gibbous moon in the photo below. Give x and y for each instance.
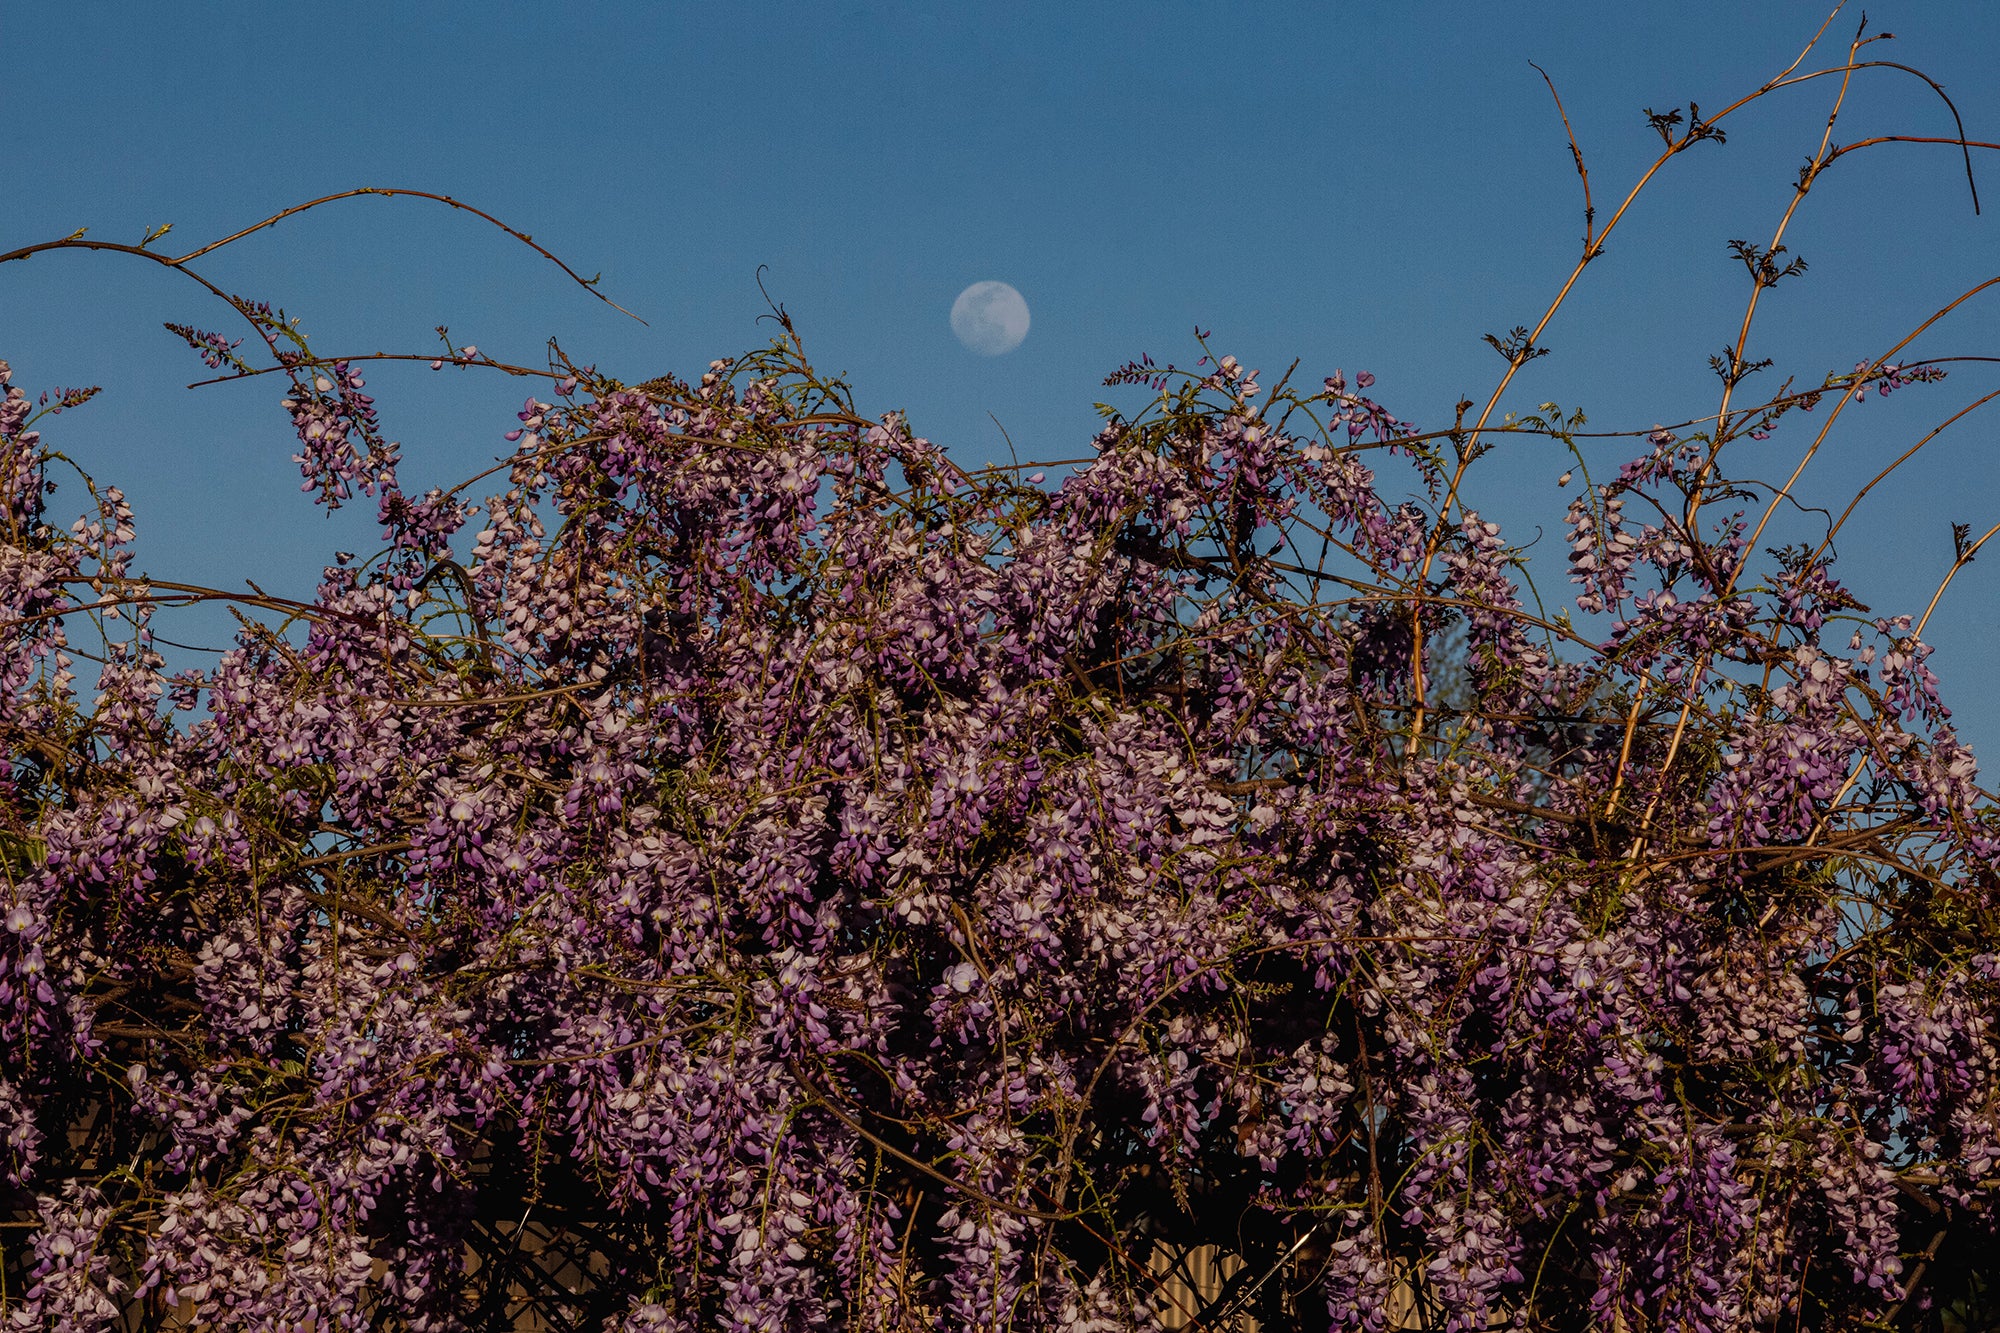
(990, 318)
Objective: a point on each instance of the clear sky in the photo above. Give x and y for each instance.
(1358, 184)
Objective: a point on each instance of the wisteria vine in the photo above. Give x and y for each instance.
(750, 871)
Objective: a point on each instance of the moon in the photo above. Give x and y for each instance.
(990, 318)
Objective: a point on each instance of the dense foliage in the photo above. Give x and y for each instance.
(800, 882)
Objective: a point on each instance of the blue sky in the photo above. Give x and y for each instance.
(1361, 185)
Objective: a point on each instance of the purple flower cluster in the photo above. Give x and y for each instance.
(781, 880)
